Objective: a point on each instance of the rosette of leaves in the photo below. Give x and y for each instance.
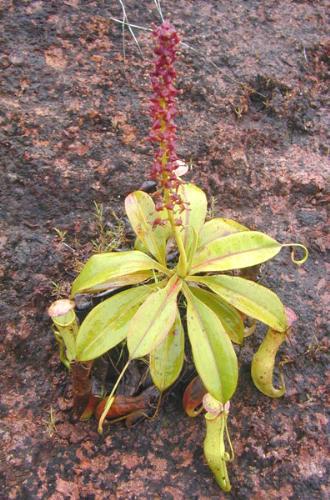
(146, 314)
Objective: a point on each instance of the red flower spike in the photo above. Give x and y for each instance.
(163, 111)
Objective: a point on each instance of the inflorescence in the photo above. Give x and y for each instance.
(163, 112)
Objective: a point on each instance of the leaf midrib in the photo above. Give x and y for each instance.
(207, 338)
(228, 255)
(255, 305)
(155, 317)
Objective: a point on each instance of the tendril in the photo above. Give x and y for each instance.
(231, 455)
(111, 398)
(292, 247)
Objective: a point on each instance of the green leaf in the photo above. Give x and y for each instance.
(217, 228)
(248, 297)
(235, 251)
(112, 269)
(141, 212)
(228, 315)
(195, 212)
(214, 357)
(166, 360)
(107, 324)
(153, 320)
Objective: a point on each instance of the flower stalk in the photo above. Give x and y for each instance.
(163, 130)
(163, 112)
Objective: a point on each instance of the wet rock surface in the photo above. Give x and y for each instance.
(73, 122)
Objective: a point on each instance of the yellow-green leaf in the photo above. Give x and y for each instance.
(228, 315)
(107, 324)
(141, 212)
(195, 212)
(248, 297)
(214, 357)
(167, 359)
(191, 245)
(235, 251)
(153, 320)
(217, 228)
(105, 270)
(122, 281)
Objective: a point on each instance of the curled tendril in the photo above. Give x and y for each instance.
(110, 399)
(106, 409)
(292, 247)
(231, 455)
(214, 446)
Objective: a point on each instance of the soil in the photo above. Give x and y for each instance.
(73, 121)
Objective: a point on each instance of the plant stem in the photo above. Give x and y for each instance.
(182, 265)
(81, 385)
